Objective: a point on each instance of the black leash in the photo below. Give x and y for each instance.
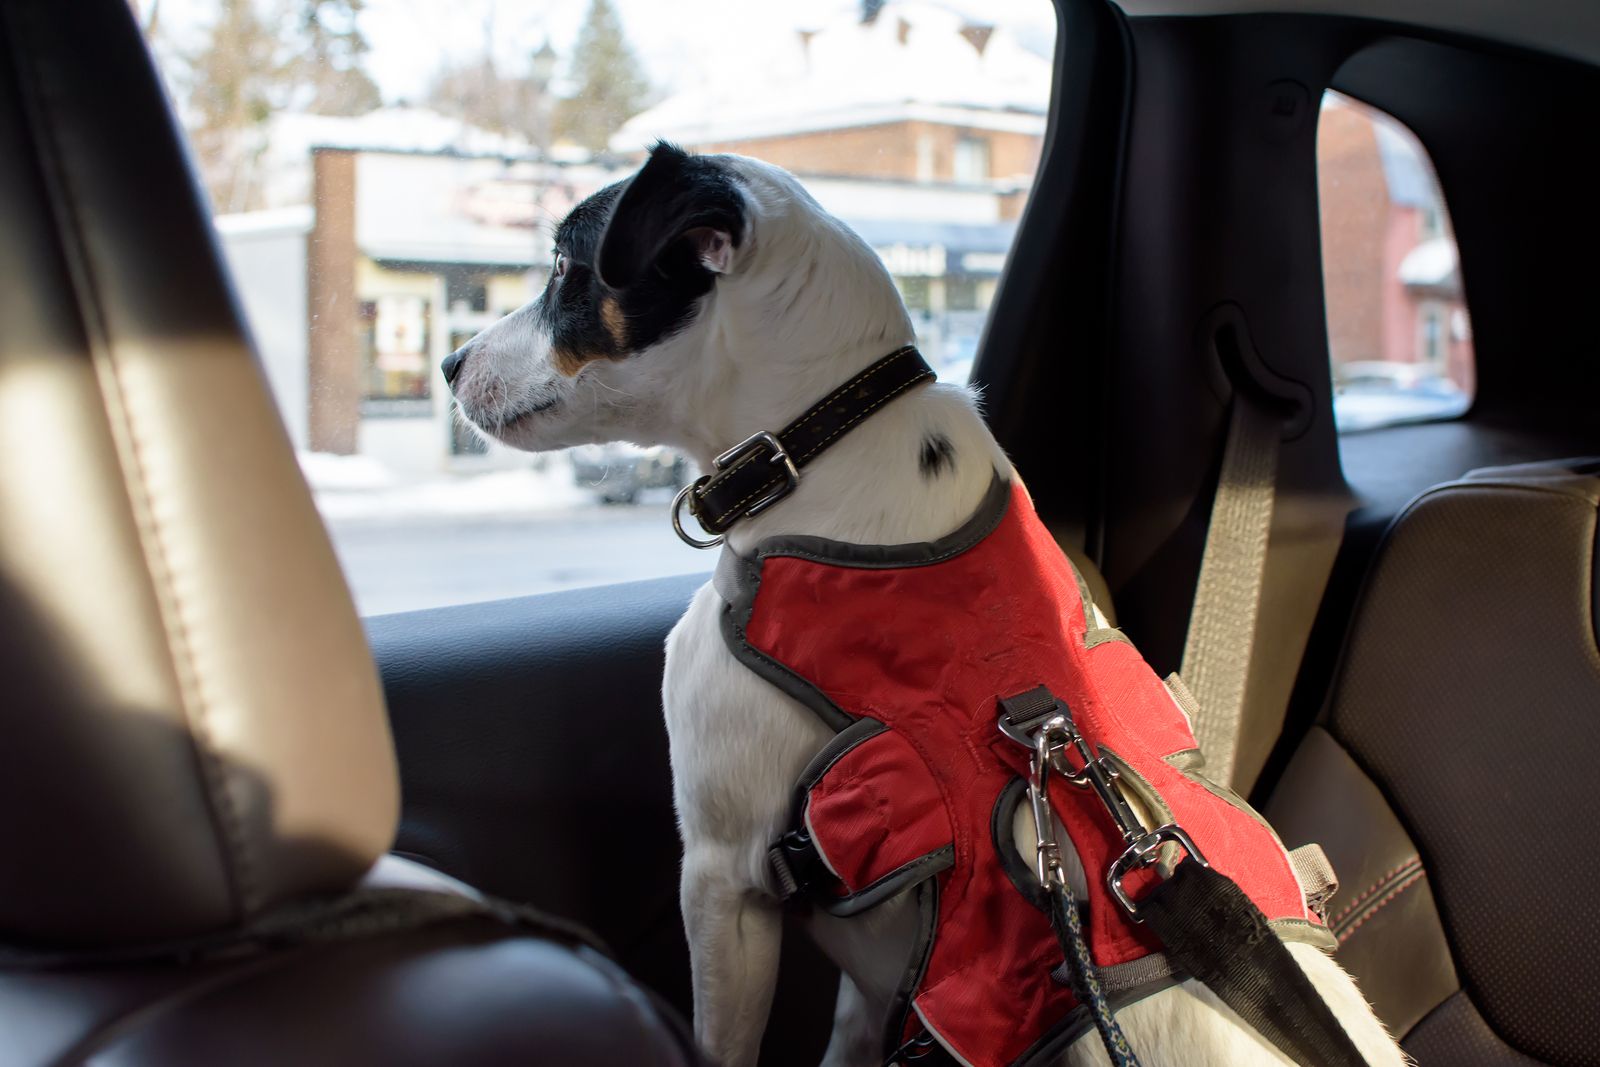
(1212, 930)
(1068, 924)
(1042, 723)
(765, 467)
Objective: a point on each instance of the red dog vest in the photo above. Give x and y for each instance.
(906, 650)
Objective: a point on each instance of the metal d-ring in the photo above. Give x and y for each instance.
(677, 521)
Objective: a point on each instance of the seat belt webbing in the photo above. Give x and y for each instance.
(1227, 601)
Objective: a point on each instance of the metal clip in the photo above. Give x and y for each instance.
(1142, 853)
(1047, 739)
(1051, 741)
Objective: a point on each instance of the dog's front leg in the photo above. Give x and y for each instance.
(734, 934)
(738, 746)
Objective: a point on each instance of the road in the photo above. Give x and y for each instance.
(406, 563)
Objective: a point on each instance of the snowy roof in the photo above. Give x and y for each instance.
(1431, 265)
(955, 238)
(291, 135)
(419, 208)
(297, 219)
(916, 60)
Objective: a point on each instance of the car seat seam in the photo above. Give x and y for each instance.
(136, 484)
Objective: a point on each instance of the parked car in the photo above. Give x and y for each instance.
(618, 471)
(1376, 393)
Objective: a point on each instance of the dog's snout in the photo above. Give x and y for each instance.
(452, 364)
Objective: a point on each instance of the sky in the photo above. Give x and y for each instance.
(412, 39)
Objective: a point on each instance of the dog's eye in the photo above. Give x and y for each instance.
(559, 269)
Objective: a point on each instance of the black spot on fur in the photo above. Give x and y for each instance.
(938, 455)
(626, 243)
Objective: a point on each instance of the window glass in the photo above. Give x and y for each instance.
(1398, 330)
(386, 176)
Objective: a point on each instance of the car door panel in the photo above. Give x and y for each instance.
(533, 765)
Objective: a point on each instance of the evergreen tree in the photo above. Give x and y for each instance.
(611, 86)
(332, 51)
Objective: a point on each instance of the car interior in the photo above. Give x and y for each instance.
(241, 824)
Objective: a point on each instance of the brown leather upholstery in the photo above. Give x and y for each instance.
(1451, 777)
(183, 640)
(193, 742)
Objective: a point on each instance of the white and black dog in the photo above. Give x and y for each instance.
(703, 300)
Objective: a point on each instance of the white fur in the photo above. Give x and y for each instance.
(802, 305)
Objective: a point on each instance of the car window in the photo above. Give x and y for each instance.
(1399, 334)
(386, 174)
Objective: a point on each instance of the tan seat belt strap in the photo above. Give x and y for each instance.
(1227, 602)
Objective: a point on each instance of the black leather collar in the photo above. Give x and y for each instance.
(764, 468)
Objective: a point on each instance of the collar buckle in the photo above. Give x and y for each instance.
(745, 451)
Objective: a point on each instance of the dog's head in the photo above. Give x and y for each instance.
(668, 290)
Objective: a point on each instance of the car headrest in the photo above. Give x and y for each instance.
(191, 728)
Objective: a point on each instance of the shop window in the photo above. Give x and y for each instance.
(972, 160)
(395, 346)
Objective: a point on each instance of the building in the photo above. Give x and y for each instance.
(424, 232)
(1389, 260)
(918, 127)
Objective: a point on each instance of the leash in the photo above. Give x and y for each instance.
(765, 467)
(1198, 910)
(1207, 925)
(1043, 723)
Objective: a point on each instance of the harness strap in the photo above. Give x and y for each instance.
(1211, 930)
(763, 469)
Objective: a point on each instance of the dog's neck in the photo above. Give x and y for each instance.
(912, 471)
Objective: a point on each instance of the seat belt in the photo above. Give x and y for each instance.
(1227, 599)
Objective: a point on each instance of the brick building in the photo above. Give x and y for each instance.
(1390, 272)
(919, 101)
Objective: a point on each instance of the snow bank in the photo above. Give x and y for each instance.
(359, 487)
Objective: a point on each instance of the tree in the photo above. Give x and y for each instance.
(611, 86)
(332, 51)
(477, 93)
(234, 83)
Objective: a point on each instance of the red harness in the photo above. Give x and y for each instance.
(907, 650)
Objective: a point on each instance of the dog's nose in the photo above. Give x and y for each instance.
(452, 364)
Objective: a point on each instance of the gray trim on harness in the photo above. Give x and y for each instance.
(991, 509)
(902, 877)
(900, 1009)
(1135, 984)
(1227, 600)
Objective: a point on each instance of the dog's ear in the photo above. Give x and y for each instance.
(680, 212)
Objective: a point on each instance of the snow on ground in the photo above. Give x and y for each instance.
(362, 488)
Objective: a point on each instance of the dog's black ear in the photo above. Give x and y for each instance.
(680, 212)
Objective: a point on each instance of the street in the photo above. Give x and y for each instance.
(404, 563)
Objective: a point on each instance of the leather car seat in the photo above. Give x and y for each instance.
(1451, 775)
(197, 781)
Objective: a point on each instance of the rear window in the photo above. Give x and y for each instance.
(1399, 333)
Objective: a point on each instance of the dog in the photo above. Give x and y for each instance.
(702, 300)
